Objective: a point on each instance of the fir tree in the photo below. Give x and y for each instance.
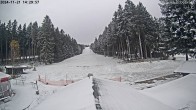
(58, 51)
(180, 26)
(34, 37)
(46, 41)
(131, 31)
(19, 33)
(29, 40)
(14, 30)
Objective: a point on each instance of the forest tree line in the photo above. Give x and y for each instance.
(134, 34)
(43, 43)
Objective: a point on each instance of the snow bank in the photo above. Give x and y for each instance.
(25, 95)
(76, 96)
(187, 67)
(119, 96)
(178, 94)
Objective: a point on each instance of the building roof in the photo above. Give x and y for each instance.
(22, 67)
(187, 67)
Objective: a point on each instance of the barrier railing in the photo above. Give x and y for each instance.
(61, 82)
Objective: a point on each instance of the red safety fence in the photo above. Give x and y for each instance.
(119, 79)
(56, 83)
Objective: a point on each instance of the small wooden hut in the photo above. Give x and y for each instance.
(17, 70)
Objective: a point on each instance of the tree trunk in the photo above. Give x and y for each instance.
(145, 51)
(140, 43)
(122, 50)
(6, 51)
(32, 51)
(150, 53)
(129, 49)
(113, 51)
(118, 50)
(187, 58)
(1, 51)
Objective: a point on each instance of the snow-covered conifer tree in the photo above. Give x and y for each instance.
(180, 24)
(46, 41)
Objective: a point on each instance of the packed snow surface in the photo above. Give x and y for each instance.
(187, 67)
(76, 96)
(119, 96)
(80, 66)
(179, 94)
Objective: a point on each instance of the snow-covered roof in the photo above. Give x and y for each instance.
(22, 66)
(187, 67)
(3, 75)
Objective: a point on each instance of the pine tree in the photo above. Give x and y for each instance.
(19, 33)
(120, 27)
(23, 42)
(58, 51)
(1, 42)
(129, 14)
(180, 26)
(131, 31)
(114, 37)
(14, 30)
(143, 22)
(28, 43)
(8, 38)
(34, 37)
(46, 41)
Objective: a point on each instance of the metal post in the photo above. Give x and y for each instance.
(12, 61)
(66, 78)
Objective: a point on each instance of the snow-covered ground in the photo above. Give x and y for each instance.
(119, 96)
(79, 67)
(76, 96)
(105, 67)
(179, 94)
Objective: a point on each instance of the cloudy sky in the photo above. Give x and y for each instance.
(82, 19)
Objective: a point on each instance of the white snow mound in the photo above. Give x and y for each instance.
(76, 96)
(119, 96)
(179, 94)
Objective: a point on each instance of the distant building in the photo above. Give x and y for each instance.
(17, 70)
(5, 86)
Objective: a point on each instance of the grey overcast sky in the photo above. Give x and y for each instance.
(82, 19)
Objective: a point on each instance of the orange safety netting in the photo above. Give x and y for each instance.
(56, 83)
(117, 79)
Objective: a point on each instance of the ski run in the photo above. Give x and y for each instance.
(169, 94)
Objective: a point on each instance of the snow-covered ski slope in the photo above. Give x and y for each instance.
(105, 67)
